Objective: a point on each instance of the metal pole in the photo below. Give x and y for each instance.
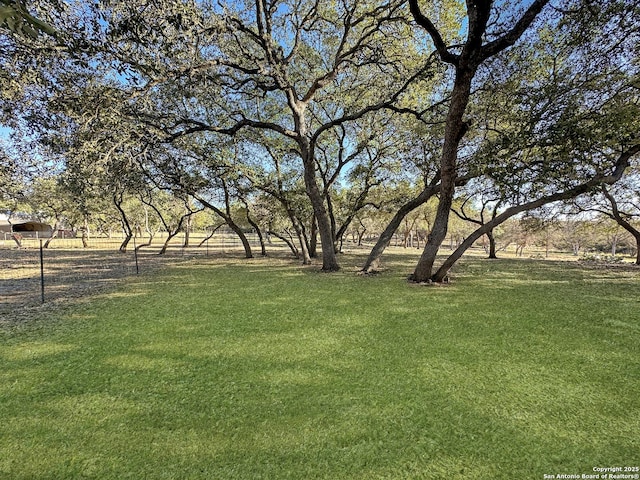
(41, 272)
(135, 255)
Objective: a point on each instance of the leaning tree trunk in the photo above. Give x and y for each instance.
(636, 235)
(301, 234)
(208, 237)
(454, 131)
(118, 200)
(146, 244)
(16, 237)
(373, 260)
(466, 63)
(290, 244)
(171, 233)
(621, 164)
(148, 230)
(232, 225)
(304, 243)
(617, 216)
(125, 243)
(54, 234)
(256, 227)
(243, 238)
(165, 245)
(361, 236)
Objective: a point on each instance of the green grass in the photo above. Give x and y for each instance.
(265, 370)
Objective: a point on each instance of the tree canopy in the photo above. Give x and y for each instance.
(305, 118)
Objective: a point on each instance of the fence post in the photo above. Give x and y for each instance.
(135, 255)
(41, 272)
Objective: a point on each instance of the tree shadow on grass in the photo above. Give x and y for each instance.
(252, 376)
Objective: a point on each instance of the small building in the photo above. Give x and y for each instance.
(37, 229)
(26, 228)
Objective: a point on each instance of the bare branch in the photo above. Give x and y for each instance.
(431, 29)
(386, 104)
(512, 36)
(191, 126)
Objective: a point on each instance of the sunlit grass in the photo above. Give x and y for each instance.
(263, 369)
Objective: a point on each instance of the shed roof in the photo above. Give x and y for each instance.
(31, 227)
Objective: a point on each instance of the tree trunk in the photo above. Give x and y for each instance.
(329, 258)
(263, 246)
(126, 226)
(372, 263)
(243, 238)
(301, 234)
(304, 243)
(636, 234)
(313, 238)
(337, 247)
(405, 237)
(170, 236)
(85, 233)
(289, 243)
(208, 237)
(125, 242)
(304, 246)
(360, 235)
(621, 164)
(254, 225)
(454, 131)
(617, 216)
(50, 239)
(492, 245)
(147, 243)
(54, 234)
(187, 232)
(232, 225)
(546, 248)
(16, 237)
(147, 228)
(466, 63)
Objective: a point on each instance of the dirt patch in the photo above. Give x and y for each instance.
(68, 275)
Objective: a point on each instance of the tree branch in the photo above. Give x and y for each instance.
(386, 104)
(600, 179)
(433, 32)
(198, 126)
(512, 36)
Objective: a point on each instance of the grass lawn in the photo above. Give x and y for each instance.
(262, 369)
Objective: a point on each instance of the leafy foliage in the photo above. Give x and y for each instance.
(15, 17)
(316, 114)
